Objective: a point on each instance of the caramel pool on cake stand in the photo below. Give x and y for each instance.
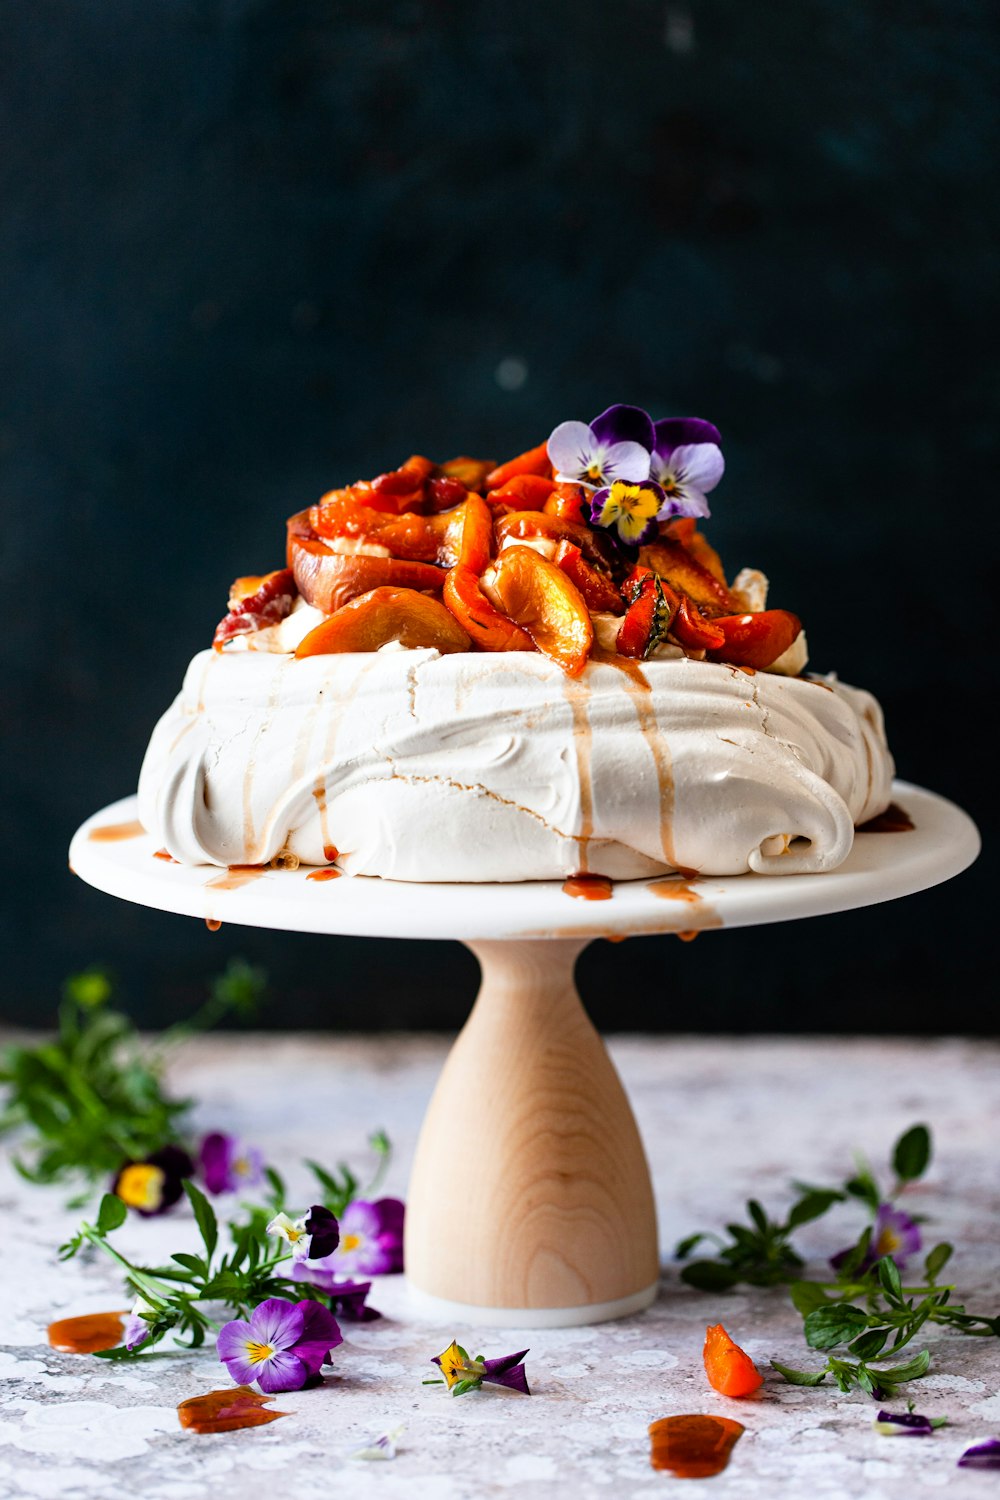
(530, 1203)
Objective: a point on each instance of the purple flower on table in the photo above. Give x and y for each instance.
(687, 463)
(348, 1299)
(227, 1165)
(893, 1233)
(906, 1424)
(136, 1329)
(984, 1455)
(631, 512)
(615, 445)
(462, 1374)
(281, 1346)
(154, 1184)
(371, 1239)
(316, 1233)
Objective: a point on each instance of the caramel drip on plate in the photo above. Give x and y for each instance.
(213, 924)
(588, 887)
(693, 1447)
(895, 819)
(681, 887)
(641, 694)
(324, 875)
(112, 833)
(226, 1411)
(577, 696)
(235, 876)
(87, 1334)
(674, 889)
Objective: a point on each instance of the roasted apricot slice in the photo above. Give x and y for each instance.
(383, 615)
(729, 1370)
(597, 587)
(692, 629)
(570, 502)
(474, 525)
(406, 534)
(328, 579)
(681, 570)
(255, 603)
(471, 472)
(756, 640)
(540, 597)
(684, 529)
(487, 627)
(535, 461)
(524, 492)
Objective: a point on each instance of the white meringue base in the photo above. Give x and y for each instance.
(482, 768)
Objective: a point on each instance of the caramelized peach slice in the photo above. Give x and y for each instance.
(487, 627)
(383, 615)
(471, 472)
(684, 529)
(570, 502)
(596, 586)
(524, 492)
(756, 640)
(676, 564)
(535, 461)
(256, 603)
(692, 630)
(545, 602)
(328, 580)
(406, 534)
(474, 521)
(522, 524)
(652, 609)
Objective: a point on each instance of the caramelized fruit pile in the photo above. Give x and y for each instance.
(465, 556)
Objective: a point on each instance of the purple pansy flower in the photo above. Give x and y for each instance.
(631, 512)
(615, 445)
(316, 1233)
(227, 1164)
(281, 1347)
(893, 1233)
(462, 1374)
(687, 462)
(984, 1455)
(347, 1298)
(371, 1239)
(136, 1329)
(153, 1185)
(906, 1424)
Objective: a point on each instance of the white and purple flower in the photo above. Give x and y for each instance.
(615, 445)
(315, 1234)
(281, 1347)
(227, 1165)
(687, 462)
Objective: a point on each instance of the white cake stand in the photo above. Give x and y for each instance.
(530, 1203)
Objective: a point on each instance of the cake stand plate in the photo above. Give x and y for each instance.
(530, 1203)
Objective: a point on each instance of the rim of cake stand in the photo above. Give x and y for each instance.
(880, 867)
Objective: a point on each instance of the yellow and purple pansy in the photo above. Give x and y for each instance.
(154, 1184)
(631, 512)
(462, 1373)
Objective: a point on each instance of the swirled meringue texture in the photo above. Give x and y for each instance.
(422, 767)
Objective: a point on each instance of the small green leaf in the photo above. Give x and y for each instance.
(912, 1153)
(837, 1323)
(195, 1263)
(864, 1186)
(868, 1344)
(710, 1276)
(888, 1275)
(807, 1296)
(111, 1214)
(937, 1259)
(799, 1377)
(912, 1369)
(208, 1226)
(684, 1247)
(812, 1206)
(865, 1380)
(758, 1215)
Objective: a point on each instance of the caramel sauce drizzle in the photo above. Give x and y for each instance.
(693, 1446)
(213, 924)
(164, 854)
(577, 696)
(324, 874)
(641, 695)
(588, 887)
(87, 1334)
(112, 833)
(226, 1411)
(235, 876)
(895, 819)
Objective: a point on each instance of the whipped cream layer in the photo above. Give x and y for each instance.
(475, 767)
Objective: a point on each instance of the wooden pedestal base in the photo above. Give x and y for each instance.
(530, 1201)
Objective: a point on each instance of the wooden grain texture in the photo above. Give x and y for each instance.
(530, 1186)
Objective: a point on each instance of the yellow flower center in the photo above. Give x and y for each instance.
(258, 1353)
(351, 1242)
(594, 474)
(888, 1241)
(141, 1185)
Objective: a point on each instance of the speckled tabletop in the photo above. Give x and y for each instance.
(722, 1119)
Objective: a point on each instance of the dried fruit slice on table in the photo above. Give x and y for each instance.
(729, 1370)
(383, 615)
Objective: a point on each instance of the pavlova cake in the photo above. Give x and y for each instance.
(472, 672)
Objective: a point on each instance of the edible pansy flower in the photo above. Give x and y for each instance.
(984, 1455)
(687, 463)
(227, 1165)
(348, 1299)
(371, 1239)
(893, 1233)
(461, 1373)
(315, 1234)
(281, 1346)
(136, 1329)
(631, 512)
(906, 1424)
(615, 445)
(153, 1185)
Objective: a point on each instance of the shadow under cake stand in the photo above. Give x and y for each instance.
(530, 1204)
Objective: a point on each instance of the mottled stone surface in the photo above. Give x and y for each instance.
(721, 1118)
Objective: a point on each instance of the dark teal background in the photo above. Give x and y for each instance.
(250, 250)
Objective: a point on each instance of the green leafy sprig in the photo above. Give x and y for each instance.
(760, 1253)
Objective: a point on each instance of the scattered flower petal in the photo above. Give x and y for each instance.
(381, 1447)
(462, 1373)
(906, 1424)
(136, 1329)
(227, 1165)
(984, 1455)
